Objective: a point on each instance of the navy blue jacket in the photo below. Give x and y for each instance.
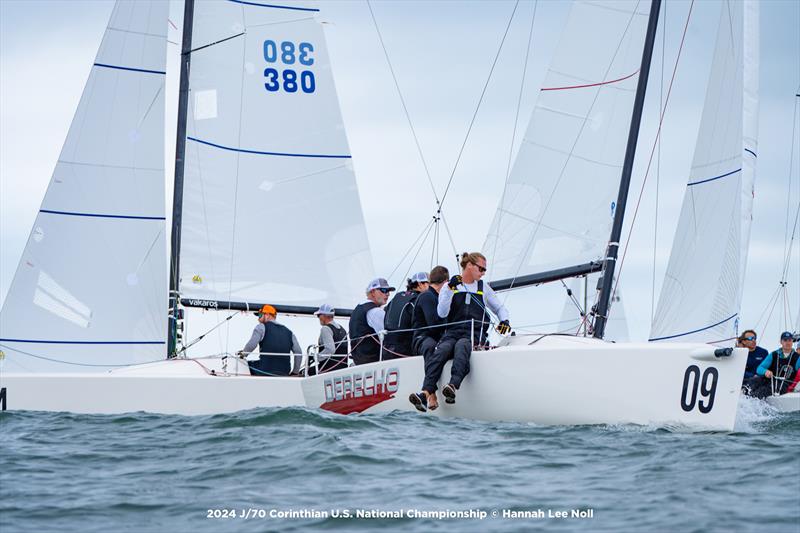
(754, 359)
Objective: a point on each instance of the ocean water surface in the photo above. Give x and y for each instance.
(299, 469)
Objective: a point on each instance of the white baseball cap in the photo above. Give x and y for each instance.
(419, 277)
(325, 309)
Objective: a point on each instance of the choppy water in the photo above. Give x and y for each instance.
(142, 472)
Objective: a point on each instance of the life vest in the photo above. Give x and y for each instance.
(784, 367)
(366, 345)
(340, 344)
(277, 340)
(468, 306)
(399, 316)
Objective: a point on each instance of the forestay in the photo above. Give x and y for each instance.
(559, 200)
(271, 211)
(90, 288)
(702, 288)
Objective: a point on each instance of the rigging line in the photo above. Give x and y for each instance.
(450, 237)
(201, 337)
(236, 186)
(421, 245)
(572, 297)
(658, 169)
(216, 42)
(477, 108)
(788, 256)
(427, 226)
(516, 122)
(766, 307)
(652, 151)
(572, 148)
(405, 108)
(788, 195)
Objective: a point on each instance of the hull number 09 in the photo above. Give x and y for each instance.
(693, 384)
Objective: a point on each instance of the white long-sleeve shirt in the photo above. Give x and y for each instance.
(490, 299)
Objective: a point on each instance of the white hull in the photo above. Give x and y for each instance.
(555, 381)
(788, 403)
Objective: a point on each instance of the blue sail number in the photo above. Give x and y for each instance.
(288, 53)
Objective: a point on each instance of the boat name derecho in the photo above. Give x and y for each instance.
(362, 384)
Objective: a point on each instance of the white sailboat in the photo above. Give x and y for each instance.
(247, 66)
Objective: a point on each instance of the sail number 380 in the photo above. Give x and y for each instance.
(705, 385)
(291, 79)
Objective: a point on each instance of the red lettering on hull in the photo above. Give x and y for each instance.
(350, 405)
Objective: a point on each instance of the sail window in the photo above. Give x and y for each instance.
(205, 104)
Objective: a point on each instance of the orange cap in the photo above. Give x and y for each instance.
(268, 310)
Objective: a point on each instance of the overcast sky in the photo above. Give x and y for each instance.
(441, 53)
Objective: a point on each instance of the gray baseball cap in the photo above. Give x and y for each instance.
(419, 277)
(379, 283)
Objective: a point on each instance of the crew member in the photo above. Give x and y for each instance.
(273, 339)
(332, 342)
(777, 371)
(400, 317)
(426, 332)
(366, 323)
(464, 302)
(755, 354)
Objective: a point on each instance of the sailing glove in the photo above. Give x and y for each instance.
(455, 281)
(503, 327)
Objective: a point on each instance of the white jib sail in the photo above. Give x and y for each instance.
(702, 288)
(271, 211)
(90, 288)
(560, 197)
(572, 321)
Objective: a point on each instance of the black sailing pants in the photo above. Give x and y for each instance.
(456, 348)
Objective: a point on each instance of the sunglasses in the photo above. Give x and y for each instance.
(385, 291)
(482, 269)
(748, 338)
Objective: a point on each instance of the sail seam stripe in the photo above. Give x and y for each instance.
(242, 150)
(80, 342)
(749, 151)
(99, 215)
(695, 331)
(274, 6)
(714, 178)
(132, 69)
(590, 84)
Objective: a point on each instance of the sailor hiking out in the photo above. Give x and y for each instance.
(399, 320)
(463, 302)
(332, 344)
(367, 322)
(273, 339)
(428, 328)
(777, 371)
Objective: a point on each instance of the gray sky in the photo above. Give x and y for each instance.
(441, 53)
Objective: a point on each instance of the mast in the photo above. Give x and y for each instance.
(177, 198)
(627, 169)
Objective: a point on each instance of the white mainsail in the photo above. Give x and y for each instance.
(559, 200)
(271, 211)
(702, 288)
(90, 288)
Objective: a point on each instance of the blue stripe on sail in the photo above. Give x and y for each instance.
(117, 67)
(695, 331)
(748, 150)
(241, 150)
(714, 178)
(273, 6)
(98, 215)
(35, 341)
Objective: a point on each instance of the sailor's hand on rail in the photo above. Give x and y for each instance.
(241, 354)
(455, 281)
(768, 374)
(503, 327)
